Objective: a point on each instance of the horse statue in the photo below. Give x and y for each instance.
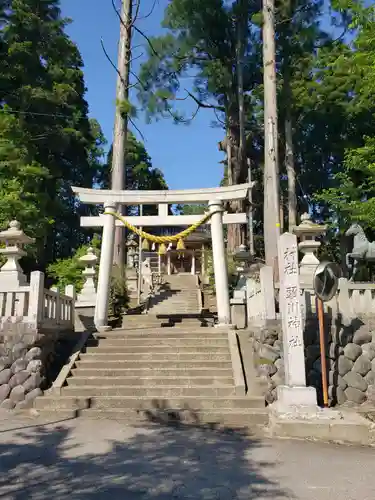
(363, 250)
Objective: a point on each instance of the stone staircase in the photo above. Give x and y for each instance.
(160, 374)
(177, 296)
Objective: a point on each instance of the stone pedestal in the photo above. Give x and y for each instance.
(294, 393)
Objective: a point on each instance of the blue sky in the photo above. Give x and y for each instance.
(187, 154)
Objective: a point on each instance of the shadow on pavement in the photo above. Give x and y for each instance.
(83, 460)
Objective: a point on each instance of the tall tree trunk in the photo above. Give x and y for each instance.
(118, 181)
(289, 150)
(235, 233)
(271, 164)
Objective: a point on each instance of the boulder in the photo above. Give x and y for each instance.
(352, 351)
(34, 365)
(271, 396)
(362, 365)
(5, 376)
(266, 369)
(30, 396)
(335, 350)
(362, 336)
(355, 395)
(356, 381)
(19, 378)
(268, 352)
(278, 379)
(5, 362)
(340, 396)
(33, 353)
(33, 382)
(17, 394)
(18, 365)
(4, 392)
(279, 363)
(278, 344)
(371, 393)
(23, 405)
(19, 350)
(370, 378)
(344, 365)
(369, 350)
(337, 380)
(7, 404)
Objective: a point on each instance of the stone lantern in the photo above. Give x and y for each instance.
(88, 292)
(242, 258)
(11, 274)
(307, 231)
(132, 246)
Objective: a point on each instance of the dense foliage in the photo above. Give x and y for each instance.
(325, 91)
(47, 141)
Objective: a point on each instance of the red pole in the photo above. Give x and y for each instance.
(323, 352)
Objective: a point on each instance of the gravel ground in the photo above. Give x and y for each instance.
(81, 459)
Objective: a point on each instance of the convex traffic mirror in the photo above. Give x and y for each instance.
(326, 280)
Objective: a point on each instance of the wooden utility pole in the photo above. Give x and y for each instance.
(118, 178)
(271, 165)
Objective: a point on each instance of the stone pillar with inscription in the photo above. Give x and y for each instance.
(294, 393)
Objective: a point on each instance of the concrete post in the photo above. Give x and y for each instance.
(220, 262)
(36, 298)
(193, 263)
(105, 268)
(169, 272)
(203, 260)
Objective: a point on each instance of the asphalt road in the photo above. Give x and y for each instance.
(82, 460)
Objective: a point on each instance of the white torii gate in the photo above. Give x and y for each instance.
(111, 199)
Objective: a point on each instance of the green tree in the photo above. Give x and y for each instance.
(202, 43)
(43, 90)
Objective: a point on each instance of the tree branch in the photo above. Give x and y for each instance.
(204, 104)
(114, 66)
(137, 129)
(151, 11)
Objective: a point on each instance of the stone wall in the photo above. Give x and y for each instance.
(350, 354)
(29, 362)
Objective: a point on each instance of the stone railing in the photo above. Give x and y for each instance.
(32, 304)
(351, 300)
(260, 297)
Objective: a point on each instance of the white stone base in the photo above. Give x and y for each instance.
(225, 326)
(103, 329)
(289, 398)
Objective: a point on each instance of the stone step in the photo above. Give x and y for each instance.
(156, 349)
(176, 373)
(147, 403)
(165, 391)
(252, 419)
(156, 334)
(155, 380)
(151, 356)
(87, 361)
(151, 343)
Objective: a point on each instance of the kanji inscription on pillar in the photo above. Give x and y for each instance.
(290, 309)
